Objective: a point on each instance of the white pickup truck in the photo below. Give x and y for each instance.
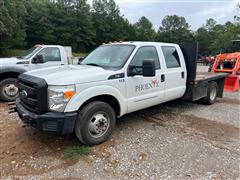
(39, 56)
(113, 80)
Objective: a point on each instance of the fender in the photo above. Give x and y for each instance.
(14, 69)
(77, 101)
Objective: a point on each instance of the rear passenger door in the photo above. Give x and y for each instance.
(175, 72)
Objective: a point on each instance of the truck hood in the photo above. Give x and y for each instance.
(9, 61)
(71, 74)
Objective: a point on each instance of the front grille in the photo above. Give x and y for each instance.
(35, 89)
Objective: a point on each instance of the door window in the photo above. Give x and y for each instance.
(50, 54)
(171, 56)
(145, 53)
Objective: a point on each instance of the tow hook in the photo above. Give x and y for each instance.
(12, 107)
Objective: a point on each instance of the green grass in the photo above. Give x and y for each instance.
(76, 151)
(78, 54)
(13, 52)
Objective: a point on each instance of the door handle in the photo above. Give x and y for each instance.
(183, 74)
(162, 78)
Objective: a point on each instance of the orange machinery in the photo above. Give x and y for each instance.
(229, 63)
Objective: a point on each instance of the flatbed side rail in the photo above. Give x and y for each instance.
(198, 88)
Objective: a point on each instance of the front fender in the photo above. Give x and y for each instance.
(6, 69)
(77, 101)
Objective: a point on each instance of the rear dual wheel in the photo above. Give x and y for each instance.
(211, 94)
(95, 123)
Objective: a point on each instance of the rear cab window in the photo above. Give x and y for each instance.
(171, 57)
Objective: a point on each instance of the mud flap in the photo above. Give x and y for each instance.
(231, 83)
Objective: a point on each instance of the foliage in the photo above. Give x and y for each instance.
(214, 38)
(24, 23)
(13, 52)
(144, 30)
(12, 24)
(174, 29)
(75, 151)
(109, 24)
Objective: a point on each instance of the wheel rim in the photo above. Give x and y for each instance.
(98, 124)
(11, 90)
(213, 93)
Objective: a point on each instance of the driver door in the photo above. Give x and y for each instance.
(51, 57)
(142, 91)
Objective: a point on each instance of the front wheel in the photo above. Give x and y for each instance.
(211, 94)
(9, 89)
(96, 122)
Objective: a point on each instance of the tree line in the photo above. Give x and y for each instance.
(75, 23)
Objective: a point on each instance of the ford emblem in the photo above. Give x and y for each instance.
(23, 94)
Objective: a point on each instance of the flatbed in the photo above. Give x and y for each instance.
(198, 88)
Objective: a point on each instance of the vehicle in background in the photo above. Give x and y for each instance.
(39, 56)
(206, 60)
(113, 80)
(229, 62)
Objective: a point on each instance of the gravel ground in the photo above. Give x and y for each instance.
(175, 140)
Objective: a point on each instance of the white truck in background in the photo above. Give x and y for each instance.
(39, 56)
(113, 80)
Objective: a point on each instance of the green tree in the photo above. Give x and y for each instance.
(174, 29)
(202, 37)
(12, 24)
(223, 36)
(109, 24)
(40, 28)
(145, 30)
(84, 32)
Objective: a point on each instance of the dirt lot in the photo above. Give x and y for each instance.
(175, 140)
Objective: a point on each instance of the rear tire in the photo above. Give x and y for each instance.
(95, 123)
(9, 89)
(211, 94)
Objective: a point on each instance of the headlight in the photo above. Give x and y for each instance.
(59, 96)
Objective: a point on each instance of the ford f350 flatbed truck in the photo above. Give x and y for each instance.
(37, 57)
(113, 80)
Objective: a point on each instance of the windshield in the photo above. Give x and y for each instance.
(29, 53)
(109, 56)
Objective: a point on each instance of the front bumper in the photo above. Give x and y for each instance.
(52, 122)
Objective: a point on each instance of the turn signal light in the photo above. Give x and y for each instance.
(69, 94)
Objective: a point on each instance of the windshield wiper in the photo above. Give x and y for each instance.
(93, 64)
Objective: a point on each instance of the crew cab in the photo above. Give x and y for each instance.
(39, 56)
(113, 80)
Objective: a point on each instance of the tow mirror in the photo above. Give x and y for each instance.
(148, 68)
(80, 60)
(38, 59)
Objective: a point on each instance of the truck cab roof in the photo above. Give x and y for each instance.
(141, 43)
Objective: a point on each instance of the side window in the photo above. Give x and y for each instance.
(171, 56)
(50, 54)
(145, 53)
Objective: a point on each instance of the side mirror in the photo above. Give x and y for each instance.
(148, 68)
(38, 59)
(80, 60)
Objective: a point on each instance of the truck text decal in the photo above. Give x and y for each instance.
(141, 87)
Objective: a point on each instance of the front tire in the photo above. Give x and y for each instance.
(95, 123)
(211, 94)
(9, 89)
